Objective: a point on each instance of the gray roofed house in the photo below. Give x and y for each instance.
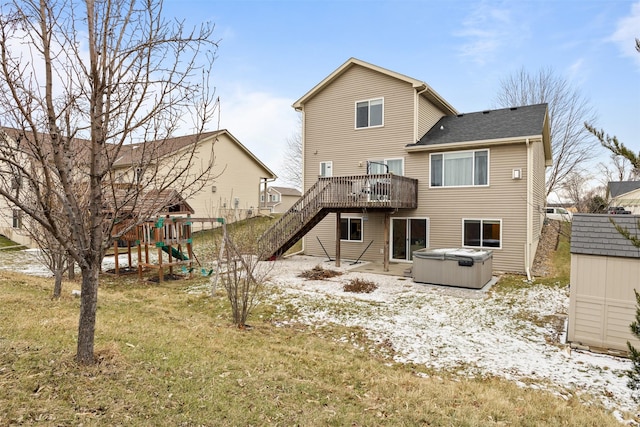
(279, 199)
(618, 188)
(625, 194)
(390, 168)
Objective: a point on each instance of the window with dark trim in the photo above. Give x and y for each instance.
(351, 229)
(482, 233)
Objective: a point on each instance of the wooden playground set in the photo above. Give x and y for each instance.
(172, 240)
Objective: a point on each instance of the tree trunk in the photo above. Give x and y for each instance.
(57, 286)
(88, 307)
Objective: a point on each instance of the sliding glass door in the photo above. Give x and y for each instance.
(408, 235)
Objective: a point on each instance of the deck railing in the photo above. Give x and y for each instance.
(333, 194)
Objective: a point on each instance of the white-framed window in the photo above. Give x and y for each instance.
(351, 229)
(482, 233)
(262, 197)
(326, 168)
(370, 113)
(274, 198)
(460, 169)
(394, 166)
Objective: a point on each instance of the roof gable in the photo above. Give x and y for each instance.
(593, 234)
(424, 89)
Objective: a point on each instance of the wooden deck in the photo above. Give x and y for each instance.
(338, 194)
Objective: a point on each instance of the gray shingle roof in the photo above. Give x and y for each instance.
(486, 125)
(595, 235)
(617, 188)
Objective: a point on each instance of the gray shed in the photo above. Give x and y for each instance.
(605, 269)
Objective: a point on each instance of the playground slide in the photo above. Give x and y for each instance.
(175, 253)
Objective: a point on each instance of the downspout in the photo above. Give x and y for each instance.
(265, 181)
(527, 246)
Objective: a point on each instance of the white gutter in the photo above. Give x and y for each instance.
(464, 144)
(527, 247)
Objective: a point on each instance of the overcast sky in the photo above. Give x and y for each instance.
(272, 52)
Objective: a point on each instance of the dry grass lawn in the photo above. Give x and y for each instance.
(167, 357)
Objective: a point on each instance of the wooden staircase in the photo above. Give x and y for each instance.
(336, 194)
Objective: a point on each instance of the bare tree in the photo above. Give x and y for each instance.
(572, 146)
(618, 169)
(79, 82)
(574, 189)
(292, 159)
(240, 269)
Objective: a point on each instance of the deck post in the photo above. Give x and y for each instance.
(337, 239)
(387, 229)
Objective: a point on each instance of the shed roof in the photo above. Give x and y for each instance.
(595, 234)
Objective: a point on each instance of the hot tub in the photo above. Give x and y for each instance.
(466, 268)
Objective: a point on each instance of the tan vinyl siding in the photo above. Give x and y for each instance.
(602, 302)
(428, 115)
(372, 229)
(234, 174)
(539, 195)
(330, 133)
(504, 199)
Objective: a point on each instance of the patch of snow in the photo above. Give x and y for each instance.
(470, 332)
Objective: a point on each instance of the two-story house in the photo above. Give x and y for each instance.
(391, 167)
(230, 190)
(279, 199)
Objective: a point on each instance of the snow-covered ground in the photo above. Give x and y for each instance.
(470, 332)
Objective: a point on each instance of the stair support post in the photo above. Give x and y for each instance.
(337, 239)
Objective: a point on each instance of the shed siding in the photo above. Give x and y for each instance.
(602, 302)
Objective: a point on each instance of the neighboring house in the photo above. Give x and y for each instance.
(279, 199)
(625, 194)
(232, 189)
(604, 272)
(391, 167)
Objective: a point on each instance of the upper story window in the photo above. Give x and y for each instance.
(460, 169)
(274, 198)
(369, 113)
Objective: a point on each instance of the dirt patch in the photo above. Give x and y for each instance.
(543, 262)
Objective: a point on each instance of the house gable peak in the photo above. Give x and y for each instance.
(420, 86)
